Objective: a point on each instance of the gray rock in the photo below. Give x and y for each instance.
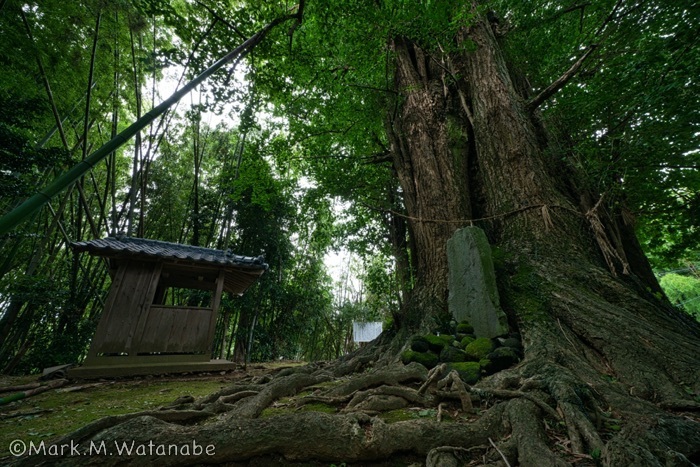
(453, 354)
(472, 281)
(502, 358)
(513, 343)
(419, 344)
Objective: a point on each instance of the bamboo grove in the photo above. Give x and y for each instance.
(76, 75)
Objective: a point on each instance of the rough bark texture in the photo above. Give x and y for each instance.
(431, 166)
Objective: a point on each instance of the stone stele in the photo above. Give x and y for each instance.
(472, 281)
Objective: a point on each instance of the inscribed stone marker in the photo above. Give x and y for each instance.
(472, 282)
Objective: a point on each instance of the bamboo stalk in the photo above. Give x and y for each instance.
(33, 392)
(17, 215)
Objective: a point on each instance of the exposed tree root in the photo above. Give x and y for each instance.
(530, 438)
(384, 398)
(459, 387)
(180, 417)
(514, 428)
(393, 375)
(252, 406)
(297, 437)
(573, 399)
(506, 394)
(450, 456)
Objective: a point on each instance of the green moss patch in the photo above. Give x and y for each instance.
(447, 338)
(419, 344)
(289, 409)
(465, 328)
(453, 354)
(59, 413)
(485, 365)
(466, 341)
(435, 343)
(502, 358)
(397, 415)
(470, 372)
(427, 359)
(479, 349)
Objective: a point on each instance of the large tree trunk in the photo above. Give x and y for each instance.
(573, 278)
(430, 164)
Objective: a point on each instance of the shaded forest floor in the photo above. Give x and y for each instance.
(287, 414)
(55, 413)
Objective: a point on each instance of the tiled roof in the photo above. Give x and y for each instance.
(121, 246)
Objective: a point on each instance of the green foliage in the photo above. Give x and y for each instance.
(683, 291)
(380, 287)
(312, 135)
(22, 164)
(628, 120)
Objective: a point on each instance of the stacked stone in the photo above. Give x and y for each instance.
(472, 357)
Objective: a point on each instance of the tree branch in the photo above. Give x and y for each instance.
(299, 18)
(553, 88)
(575, 7)
(219, 18)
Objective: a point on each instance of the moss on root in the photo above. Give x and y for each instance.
(289, 409)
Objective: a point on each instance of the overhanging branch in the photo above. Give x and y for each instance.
(220, 18)
(553, 88)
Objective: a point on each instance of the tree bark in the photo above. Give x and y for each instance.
(573, 279)
(430, 165)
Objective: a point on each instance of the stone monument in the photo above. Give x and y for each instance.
(472, 282)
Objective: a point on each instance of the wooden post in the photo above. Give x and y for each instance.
(216, 301)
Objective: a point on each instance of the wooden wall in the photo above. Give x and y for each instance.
(133, 330)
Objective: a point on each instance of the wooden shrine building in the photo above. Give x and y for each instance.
(138, 332)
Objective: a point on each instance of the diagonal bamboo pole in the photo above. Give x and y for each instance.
(10, 220)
